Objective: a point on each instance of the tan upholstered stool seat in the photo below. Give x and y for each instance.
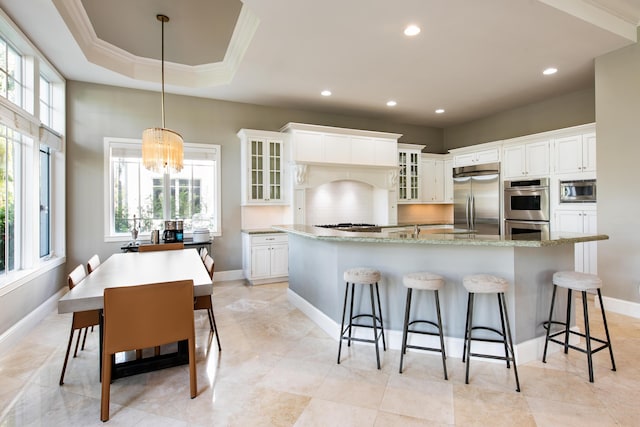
(423, 280)
(362, 275)
(576, 280)
(485, 284)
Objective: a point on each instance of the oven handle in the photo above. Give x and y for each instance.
(521, 221)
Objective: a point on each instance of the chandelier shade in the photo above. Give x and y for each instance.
(162, 149)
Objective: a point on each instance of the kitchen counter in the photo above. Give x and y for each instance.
(260, 231)
(436, 236)
(318, 258)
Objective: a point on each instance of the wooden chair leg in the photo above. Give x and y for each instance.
(192, 368)
(66, 356)
(75, 352)
(84, 339)
(106, 386)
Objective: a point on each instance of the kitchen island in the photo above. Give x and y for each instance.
(318, 257)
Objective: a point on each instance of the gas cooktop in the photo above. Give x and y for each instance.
(348, 226)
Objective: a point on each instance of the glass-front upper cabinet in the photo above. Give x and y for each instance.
(409, 173)
(262, 167)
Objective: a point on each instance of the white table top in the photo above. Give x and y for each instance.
(134, 268)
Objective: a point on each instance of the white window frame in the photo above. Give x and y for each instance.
(25, 119)
(113, 142)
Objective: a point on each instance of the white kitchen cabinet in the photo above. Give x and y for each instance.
(489, 155)
(580, 220)
(448, 180)
(262, 164)
(265, 257)
(575, 154)
(432, 180)
(409, 173)
(315, 144)
(528, 159)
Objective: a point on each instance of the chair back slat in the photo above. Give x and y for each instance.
(161, 247)
(93, 263)
(209, 264)
(76, 276)
(147, 315)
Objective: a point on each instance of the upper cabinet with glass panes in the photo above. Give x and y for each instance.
(262, 163)
(409, 172)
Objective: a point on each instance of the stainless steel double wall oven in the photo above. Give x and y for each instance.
(526, 208)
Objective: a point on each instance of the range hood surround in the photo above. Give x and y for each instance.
(322, 155)
(319, 194)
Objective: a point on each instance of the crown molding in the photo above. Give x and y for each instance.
(104, 54)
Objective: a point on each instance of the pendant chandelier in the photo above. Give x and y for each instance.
(162, 148)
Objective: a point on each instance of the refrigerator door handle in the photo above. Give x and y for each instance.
(467, 212)
(473, 213)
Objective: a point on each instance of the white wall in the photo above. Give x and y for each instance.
(618, 154)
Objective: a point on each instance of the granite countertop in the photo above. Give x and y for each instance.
(261, 231)
(436, 236)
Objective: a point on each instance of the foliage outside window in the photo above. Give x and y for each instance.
(10, 143)
(192, 195)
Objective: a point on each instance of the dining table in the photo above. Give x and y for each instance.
(134, 269)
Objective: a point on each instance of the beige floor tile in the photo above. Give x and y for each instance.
(277, 368)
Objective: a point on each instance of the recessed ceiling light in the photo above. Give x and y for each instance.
(549, 71)
(391, 103)
(440, 111)
(325, 93)
(412, 30)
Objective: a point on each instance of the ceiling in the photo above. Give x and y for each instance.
(472, 58)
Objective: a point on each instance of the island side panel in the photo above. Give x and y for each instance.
(534, 268)
(316, 268)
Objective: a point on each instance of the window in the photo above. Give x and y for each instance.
(192, 195)
(46, 109)
(45, 201)
(10, 73)
(32, 161)
(10, 209)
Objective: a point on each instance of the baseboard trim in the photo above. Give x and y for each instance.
(223, 276)
(22, 328)
(526, 351)
(627, 308)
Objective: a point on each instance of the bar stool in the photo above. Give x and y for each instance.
(582, 282)
(428, 282)
(362, 276)
(488, 284)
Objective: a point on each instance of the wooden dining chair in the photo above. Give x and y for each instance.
(161, 247)
(203, 253)
(204, 302)
(153, 248)
(146, 316)
(93, 263)
(80, 320)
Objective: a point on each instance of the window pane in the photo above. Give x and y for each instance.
(45, 197)
(193, 193)
(9, 158)
(134, 190)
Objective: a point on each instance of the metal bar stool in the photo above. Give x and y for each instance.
(428, 282)
(362, 276)
(582, 282)
(488, 284)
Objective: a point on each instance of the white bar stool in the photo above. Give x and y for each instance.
(582, 282)
(427, 282)
(488, 284)
(362, 276)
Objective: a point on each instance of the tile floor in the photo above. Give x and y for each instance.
(277, 368)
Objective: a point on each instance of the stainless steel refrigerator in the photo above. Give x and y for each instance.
(476, 198)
